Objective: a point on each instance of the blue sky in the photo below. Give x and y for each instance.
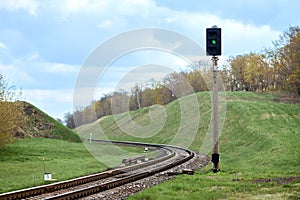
(44, 43)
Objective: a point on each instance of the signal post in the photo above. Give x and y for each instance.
(213, 48)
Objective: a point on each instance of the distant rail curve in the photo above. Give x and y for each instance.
(171, 156)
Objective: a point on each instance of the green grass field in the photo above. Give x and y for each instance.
(22, 163)
(259, 149)
(259, 141)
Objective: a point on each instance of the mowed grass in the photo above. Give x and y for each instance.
(260, 143)
(259, 147)
(24, 162)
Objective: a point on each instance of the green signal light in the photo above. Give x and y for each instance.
(214, 42)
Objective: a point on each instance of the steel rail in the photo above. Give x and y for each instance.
(39, 190)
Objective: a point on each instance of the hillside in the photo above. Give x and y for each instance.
(259, 148)
(39, 124)
(43, 145)
(259, 143)
(257, 128)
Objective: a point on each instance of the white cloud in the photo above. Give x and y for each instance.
(238, 37)
(140, 8)
(3, 46)
(44, 95)
(169, 20)
(128, 14)
(33, 57)
(15, 74)
(71, 6)
(30, 5)
(60, 68)
(54, 102)
(105, 24)
(243, 38)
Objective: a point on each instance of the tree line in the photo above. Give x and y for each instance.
(274, 69)
(140, 96)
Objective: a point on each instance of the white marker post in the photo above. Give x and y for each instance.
(91, 134)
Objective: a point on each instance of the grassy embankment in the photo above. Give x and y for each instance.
(22, 164)
(259, 147)
(65, 157)
(41, 136)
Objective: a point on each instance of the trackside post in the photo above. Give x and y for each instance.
(213, 48)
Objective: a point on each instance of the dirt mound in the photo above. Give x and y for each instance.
(36, 123)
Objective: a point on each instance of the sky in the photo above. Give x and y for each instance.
(44, 44)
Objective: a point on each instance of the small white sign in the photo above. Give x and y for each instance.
(47, 176)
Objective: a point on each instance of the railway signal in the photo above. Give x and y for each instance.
(213, 48)
(213, 41)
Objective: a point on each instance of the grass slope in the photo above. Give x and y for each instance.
(22, 164)
(259, 145)
(41, 136)
(259, 149)
(65, 157)
(39, 124)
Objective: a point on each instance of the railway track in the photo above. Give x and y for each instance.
(88, 185)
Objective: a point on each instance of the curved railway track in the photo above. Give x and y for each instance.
(95, 183)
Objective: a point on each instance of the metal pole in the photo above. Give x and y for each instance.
(44, 165)
(215, 154)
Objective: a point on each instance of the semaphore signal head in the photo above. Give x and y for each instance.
(213, 41)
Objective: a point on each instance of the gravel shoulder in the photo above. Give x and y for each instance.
(129, 189)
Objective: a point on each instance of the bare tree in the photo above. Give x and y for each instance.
(10, 112)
